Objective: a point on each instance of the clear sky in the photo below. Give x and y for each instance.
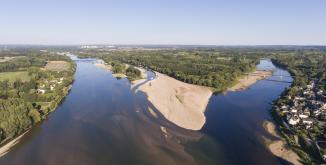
(213, 22)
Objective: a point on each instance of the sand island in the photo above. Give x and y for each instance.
(181, 103)
(278, 147)
(184, 104)
(250, 79)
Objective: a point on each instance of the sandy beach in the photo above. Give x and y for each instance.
(109, 68)
(103, 66)
(248, 80)
(5, 148)
(279, 147)
(181, 103)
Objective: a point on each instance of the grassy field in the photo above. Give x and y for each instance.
(12, 76)
(6, 59)
(57, 66)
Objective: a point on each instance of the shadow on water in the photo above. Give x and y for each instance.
(103, 121)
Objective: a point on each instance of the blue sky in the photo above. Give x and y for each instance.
(205, 22)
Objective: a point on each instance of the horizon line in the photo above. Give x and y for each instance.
(221, 45)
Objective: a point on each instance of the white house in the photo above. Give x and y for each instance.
(294, 110)
(294, 120)
(52, 87)
(308, 121)
(42, 91)
(302, 116)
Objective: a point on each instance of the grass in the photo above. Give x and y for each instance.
(57, 66)
(12, 76)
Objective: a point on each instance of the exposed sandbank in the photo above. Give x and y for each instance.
(6, 148)
(104, 66)
(279, 147)
(248, 80)
(181, 103)
(109, 68)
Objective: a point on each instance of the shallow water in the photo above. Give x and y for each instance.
(103, 121)
(235, 119)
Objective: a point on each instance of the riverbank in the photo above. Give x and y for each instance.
(279, 147)
(6, 148)
(250, 79)
(181, 103)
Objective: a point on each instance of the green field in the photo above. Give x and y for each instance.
(12, 76)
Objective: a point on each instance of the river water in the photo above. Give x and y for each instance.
(104, 121)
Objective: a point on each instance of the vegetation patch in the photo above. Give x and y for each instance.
(13, 76)
(57, 66)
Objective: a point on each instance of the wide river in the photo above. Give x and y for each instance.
(104, 121)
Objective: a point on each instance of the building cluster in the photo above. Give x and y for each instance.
(49, 85)
(307, 108)
(96, 46)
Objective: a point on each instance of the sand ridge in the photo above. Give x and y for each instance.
(181, 103)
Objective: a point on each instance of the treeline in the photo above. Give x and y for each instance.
(21, 106)
(130, 71)
(23, 62)
(202, 67)
(304, 66)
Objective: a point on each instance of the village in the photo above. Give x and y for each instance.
(307, 108)
(49, 85)
(306, 112)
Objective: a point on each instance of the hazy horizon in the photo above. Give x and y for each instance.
(145, 22)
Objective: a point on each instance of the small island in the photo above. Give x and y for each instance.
(181, 103)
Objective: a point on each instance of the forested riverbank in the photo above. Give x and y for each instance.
(32, 84)
(212, 68)
(300, 111)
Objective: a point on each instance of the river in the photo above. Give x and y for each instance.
(104, 121)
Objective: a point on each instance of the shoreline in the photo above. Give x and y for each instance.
(246, 81)
(279, 147)
(184, 104)
(107, 67)
(8, 145)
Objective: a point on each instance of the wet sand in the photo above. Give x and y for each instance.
(181, 103)
(279, 147)
(248, 80)
(5, 148)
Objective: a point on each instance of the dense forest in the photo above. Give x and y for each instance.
(216, 69)
(29, 91)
